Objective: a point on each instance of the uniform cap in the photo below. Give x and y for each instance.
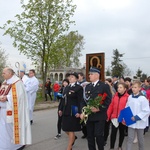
(74, 74)
(94, 70)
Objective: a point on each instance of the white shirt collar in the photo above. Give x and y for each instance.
(72, 84)
(9, 81)
(94, 83)
(115, 82)
(13, 79)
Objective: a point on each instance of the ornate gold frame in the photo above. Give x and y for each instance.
(96, 60)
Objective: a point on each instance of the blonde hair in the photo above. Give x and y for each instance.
(137, 82)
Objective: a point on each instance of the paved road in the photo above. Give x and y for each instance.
(44, 131)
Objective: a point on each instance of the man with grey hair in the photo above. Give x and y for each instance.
(14, 113)
(96, 121)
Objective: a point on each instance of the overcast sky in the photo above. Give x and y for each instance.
(105, 24)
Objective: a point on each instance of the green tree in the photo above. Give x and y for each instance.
(116, 64)
(3, 58)
(37, 29)
(69, 49)
(108, 71)
(139, 73)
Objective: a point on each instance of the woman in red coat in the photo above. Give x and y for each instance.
(56, 88)
(118, 103)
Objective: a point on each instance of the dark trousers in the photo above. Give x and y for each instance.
(49, 93)
(113, 135)
(84, 130)
(95, 130)
(106, 130)
(59, 124)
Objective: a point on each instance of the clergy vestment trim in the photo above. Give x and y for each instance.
(4, 89)
(15, 113)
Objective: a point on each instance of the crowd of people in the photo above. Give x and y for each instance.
(121, 94)
(78, 109)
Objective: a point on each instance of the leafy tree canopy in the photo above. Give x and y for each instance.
(38, 30)
(3, 58)
(69, 49)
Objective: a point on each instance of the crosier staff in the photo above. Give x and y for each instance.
(17, 65)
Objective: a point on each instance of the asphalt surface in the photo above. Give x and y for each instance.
(44, 130)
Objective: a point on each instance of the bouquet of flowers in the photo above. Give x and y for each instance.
(98, 101)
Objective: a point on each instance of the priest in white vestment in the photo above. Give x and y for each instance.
(32, 89)
(15, 129)
(24, 77)
(28, 85)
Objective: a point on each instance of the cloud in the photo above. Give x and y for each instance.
(106, 25)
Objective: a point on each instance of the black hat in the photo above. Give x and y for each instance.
(127, 79)
(74, 74)
(67, 75)
(65, 80)
(115, 76)
(94, 70)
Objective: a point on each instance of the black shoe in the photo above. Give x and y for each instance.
(21, 148)
(57, 136)
(31, 122)
(125, 133)
(105, 143)
(84, 136)
(74, 140)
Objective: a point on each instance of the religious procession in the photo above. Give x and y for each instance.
(86, 98)
(96, 108)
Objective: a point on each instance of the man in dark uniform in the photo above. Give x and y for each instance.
(96, 121)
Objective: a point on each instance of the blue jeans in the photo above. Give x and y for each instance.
(55, 95)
